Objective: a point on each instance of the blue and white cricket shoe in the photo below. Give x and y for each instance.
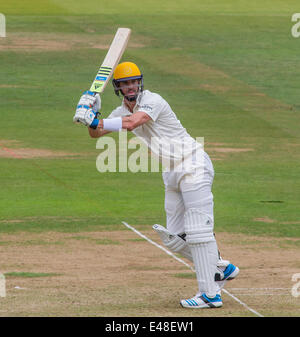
(201, 301)
(229, 273)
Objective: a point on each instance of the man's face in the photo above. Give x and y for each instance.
(130, 88)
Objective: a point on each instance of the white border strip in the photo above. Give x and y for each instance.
(187, 265)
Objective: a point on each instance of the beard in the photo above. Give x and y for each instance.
(131, 98)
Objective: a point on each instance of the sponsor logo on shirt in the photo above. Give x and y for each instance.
(146, 107)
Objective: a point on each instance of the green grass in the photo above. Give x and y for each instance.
(103, 241)
(229, 70)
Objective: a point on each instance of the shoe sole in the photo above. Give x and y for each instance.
(204, 306)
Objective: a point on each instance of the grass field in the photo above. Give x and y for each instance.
(230, 70)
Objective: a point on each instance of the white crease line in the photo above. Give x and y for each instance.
(158, 246)
(260, 289)
(242, 303)
(189, 266)
(265, 295)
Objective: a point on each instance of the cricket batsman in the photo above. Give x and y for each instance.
(188, 191)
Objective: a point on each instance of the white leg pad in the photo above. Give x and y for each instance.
(173, 242)
(178, 245)
(203, 246)
(198, 226)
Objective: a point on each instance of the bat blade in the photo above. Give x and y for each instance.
(111, 60)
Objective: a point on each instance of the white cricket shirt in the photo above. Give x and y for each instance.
(163, 133)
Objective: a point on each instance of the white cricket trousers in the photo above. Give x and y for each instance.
(182, 194)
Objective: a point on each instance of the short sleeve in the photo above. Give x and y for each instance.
(152, 105)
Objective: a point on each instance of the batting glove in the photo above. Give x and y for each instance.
(87, 109)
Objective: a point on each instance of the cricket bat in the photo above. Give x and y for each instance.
(111, 60)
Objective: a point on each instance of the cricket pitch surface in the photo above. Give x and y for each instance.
(120, 274)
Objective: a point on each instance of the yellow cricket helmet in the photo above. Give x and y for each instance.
(126, 71)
